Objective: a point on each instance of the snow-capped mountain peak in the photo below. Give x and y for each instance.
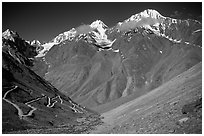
(143, 19)
(149, 13)
(69, 35)
(98, 24)
(9, 35)
(101, 27)
(35, 42)
(96, 30)
(100, 35)
(64, 36)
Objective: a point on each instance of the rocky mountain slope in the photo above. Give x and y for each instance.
(94, 64)
(173, 108)
(29, 101)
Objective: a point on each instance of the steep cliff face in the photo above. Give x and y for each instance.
(134, 57)
(29, 101)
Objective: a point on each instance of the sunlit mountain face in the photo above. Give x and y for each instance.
(93, 69)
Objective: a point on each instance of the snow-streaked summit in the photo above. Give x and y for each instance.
(100, 35)
(9, 35)
(149, 13)
(144, 19)
(99, 25)
(68, 35)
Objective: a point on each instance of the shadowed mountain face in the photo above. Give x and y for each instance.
(140, 59)
(28, 100)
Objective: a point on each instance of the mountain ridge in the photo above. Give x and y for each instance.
(149, 19)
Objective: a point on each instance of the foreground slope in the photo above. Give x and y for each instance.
(174, 107)
(29, 101)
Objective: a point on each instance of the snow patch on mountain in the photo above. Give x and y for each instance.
(46, 48)
(171, 39)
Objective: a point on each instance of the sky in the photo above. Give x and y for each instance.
(44, 21)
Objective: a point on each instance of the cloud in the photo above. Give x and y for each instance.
(176, 14)
(83, 29)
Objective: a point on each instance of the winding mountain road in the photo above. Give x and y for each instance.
(51, 103)
(20, 112)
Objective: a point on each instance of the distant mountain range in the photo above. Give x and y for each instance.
(96, 33)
